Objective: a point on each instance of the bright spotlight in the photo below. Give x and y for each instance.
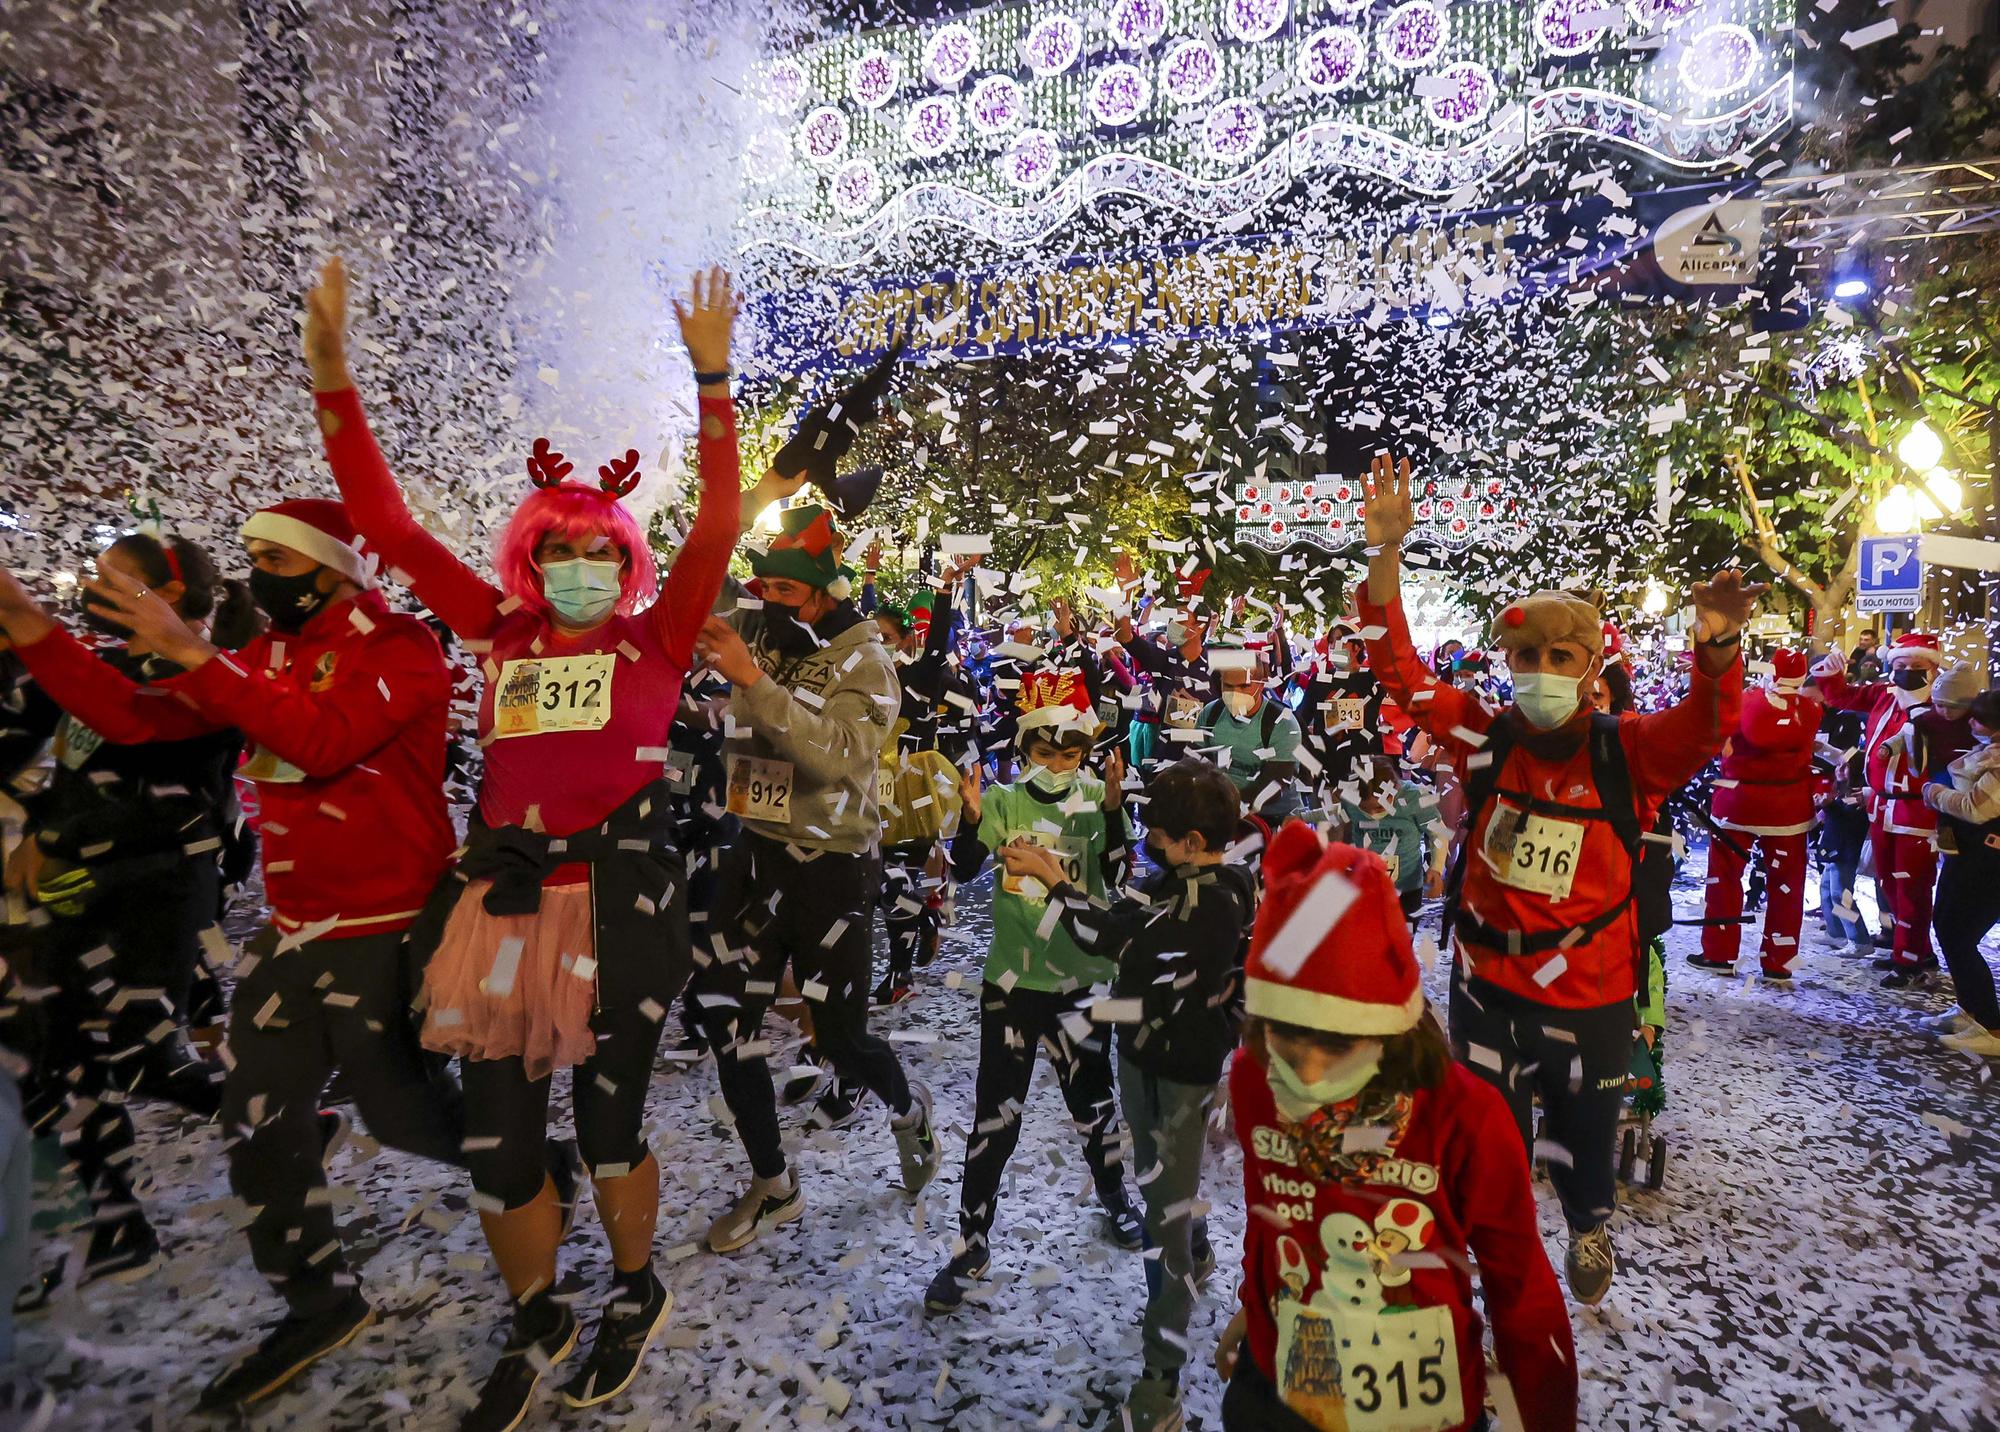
(1921, 449)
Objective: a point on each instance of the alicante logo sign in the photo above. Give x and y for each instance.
(1711, 243)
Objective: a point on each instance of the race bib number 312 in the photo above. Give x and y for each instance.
(538, 695)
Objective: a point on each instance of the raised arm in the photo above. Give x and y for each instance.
(1668, 747)
(689, 592)
(825, 738)
(467, 603)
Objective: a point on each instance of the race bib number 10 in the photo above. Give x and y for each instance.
(1069, 853)
(538, 695)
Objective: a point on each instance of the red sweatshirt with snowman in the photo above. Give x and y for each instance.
(1357, 1263)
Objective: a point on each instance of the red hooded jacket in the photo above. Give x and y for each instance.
(1383, 1244)
(346, 724)
(1766, 783)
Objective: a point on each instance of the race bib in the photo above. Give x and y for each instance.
(1542, 856)
(269, 767)
(1394, 1370)
(538, 695)
(75, 743)
(1183, 710)
(1069, 852)
(760, 790)
(1351, 712)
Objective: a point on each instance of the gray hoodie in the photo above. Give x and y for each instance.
(828, 713)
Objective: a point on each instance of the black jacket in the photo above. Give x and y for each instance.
(1179, 942)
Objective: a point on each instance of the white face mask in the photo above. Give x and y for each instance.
(1240, 703)
(1297, 1099)
(1547, 700)
(1176, 633)
(1051, 783)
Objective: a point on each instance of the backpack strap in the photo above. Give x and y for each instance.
(1210, 714)
(1613, 778)
(1480, 782)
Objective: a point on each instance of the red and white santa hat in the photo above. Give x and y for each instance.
(1057, 702)
(1331, 949)
(1788, 668)
(319, 528)
(1920, 646)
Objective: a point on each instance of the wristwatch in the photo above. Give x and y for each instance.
(1733, 639)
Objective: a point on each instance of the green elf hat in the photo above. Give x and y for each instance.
(806, 550)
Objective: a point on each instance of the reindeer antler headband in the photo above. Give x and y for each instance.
(618, 477)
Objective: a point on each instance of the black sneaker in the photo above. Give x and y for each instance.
(837, 1106)
(1720, 967)
(1884, 962)
(291, 1347)
(510, 1388)
(1204, 1255)
(626, 1330)
(806, 1080)
(122, 1250)
(894, 989)
(334, 1129)
(1778, 976)
(1904, 977)
(946, 1294)
(566, 1173)
(1125, 1227)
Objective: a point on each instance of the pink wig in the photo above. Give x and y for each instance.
(573, 513)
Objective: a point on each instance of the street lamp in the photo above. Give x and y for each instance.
(1896, 512)
(1921, 449)
(1655, 601)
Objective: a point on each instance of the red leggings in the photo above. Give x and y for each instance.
(1905, 873)
(1784, 897)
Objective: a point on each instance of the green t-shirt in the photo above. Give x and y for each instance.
(1075, 828)
(1244, 739)
(1399, 835)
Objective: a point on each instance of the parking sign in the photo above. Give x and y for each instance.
(1892, 578)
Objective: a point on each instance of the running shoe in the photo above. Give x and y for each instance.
(1154, 1405)
(1589, 1265)
(1952, 1021)
(806, 1078)
(122, 1250)
(838, 1106)
(1125, 1227)
(1720, 967)
(525, 1360)
(765, 1204)
(1979, 1041)
(291, 1347)
(916, 1145)
(626, 1330)
(946, 1293)
(892, 991)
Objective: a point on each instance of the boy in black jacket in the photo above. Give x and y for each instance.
(1178, 938)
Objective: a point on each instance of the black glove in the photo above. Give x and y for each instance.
(828, 429)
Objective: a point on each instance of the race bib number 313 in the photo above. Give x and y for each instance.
(538, 695)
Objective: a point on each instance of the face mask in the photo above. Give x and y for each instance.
(1982, 737)
(290, 602)
(1176, 633)
(785, 631)
(1547, 700)
(1911, 678)
(583, 590)
(1297, 1100)
(1240, 703)
(1051, 783)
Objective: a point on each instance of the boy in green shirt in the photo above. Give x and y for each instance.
(1398, 820)
(1037, 987)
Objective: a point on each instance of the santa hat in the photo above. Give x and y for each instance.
(1921, 646)
(1331, 949)
(1614, 642)
(320, 529)
(1788, 668)
(1054, 702)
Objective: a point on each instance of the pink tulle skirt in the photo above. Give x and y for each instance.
(515, 986)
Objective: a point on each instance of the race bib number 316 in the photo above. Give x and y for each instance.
(1544, 856)
(538, 695)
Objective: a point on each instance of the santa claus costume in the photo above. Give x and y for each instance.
(1902, 827)
(1763, 795)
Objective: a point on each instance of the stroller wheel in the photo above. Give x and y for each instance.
(1628, 1154)
(1656, 1164)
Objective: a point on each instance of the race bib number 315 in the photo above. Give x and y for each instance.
(538, 695)
(1367, 1371)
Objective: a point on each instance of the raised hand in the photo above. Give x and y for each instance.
(326, 329)
(719, 644)
(1114, 781)
(872, 558)
(148, 616)
(1065, 618)
(1723, 603)
(1389, 514)
(969, 797)
(1125, 570)
(707, 319)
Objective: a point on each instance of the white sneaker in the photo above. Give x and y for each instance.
(1952, 1021)
(1980, 1041)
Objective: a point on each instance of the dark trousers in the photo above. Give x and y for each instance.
(114, 1024)
(1968, 904)
(1012, 1026)
(298, 1016)
(779, 906)
(907, 916)
(1575, 1061)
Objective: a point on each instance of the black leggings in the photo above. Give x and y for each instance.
(907, 914)
(1575, 1060)
(1968, 904)
(780, 905)
(1012, 1024)
(641, 966)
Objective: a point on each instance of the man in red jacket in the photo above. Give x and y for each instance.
(1542, 917)
(1764, 794)
(343, 706)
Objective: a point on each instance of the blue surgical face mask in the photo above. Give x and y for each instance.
(1051, 783)
(1297, 1098)
(583, 590)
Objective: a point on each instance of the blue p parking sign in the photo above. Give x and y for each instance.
(1892, 577)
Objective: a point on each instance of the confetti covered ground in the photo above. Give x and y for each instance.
(1825, 1254)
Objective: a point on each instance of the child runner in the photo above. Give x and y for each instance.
(1373, 1165)
(561, 937)
(1177, 939)
(1037, 982)
(1398, 820)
